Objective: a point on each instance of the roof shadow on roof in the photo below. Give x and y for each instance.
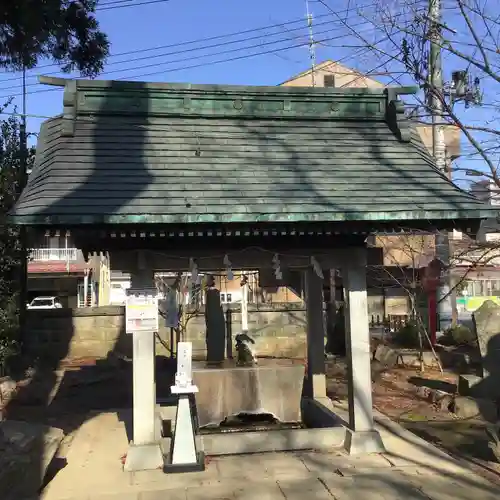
(415, 146)
(98, 126)
(229, 162)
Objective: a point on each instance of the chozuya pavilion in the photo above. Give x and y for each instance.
(161, 175)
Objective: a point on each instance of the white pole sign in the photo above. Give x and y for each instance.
(141, 310)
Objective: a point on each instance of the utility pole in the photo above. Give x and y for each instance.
(23, 177)
(435, 98)
(312, 44)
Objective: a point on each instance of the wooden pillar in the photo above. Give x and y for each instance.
(104, 281)
(331, 313)
(144, 452)
(315, 386)
(361, 436)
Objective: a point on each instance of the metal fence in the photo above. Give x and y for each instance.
(391, 322)
(49, 254)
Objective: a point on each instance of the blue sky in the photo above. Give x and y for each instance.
(150, 28)
(170, 22)
(179, 21)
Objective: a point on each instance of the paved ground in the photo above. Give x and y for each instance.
(411, 469)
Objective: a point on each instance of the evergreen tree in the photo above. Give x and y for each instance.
(65, 31)
(11, 251)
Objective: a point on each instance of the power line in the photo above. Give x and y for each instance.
(213, 54)
(199, 65)
(230, 51)
(188, 50)
(200, 40)
(123, 4)
(218, 53)
(45, 117)
(369, 46)
(178, 44)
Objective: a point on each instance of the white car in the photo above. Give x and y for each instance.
(45, 303)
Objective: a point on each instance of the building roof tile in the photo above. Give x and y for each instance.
(126, 152)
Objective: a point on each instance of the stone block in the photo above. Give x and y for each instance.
(88, 348)
(89, 332)
(143, 457)
(281, 347)
(111, 335)
(465, 407)
(387, 356)
(236, 443)
(469, 385)
(26, 451)
(493, 432)
(274, 389)
(443, 400)
(363, 442)
(486, 321)
(7, 387)
(308, 488)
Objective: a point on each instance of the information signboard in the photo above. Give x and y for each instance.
(141, 310)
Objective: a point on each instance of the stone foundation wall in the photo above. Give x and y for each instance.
(278, 329)
(76, 333)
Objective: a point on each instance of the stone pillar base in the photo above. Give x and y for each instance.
(143, 457)
(361, 442)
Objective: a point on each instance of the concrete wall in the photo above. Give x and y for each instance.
(76, 333)
(278, 329)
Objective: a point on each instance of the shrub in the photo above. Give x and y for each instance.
(8, 349)
(408, 335)
(460, 335)
(9, 332)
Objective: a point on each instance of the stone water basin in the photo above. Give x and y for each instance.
(273, 387)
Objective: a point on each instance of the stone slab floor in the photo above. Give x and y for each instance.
(411, 469)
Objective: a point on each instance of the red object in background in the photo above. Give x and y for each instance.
(59, 267)
(430, 283)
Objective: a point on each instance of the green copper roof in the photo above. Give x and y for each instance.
(127, 152)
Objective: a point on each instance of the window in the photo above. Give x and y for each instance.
(42, 302)
(329, 80)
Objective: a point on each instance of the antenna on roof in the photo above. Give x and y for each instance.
(312, 44)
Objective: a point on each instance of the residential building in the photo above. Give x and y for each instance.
(478, 265)
(57, 268)
(230, 289)
(399, 253)
(489, 192)
(332, 74)
(486, 190)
